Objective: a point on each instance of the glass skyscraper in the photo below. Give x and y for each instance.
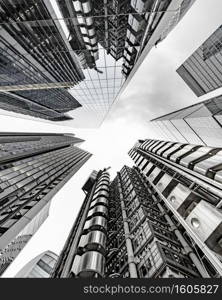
(9, 253)
(33, 168)
(200, 123)
(161, 218)
(39, 267)
(68, 60)
(202, 71)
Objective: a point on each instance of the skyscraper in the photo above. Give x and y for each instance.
(187, 179)
(34, 166)
(90, 47)
(200, 123)
(202, 71)
(9, 253)
(39, 267)
(160, 219)
(37, 62)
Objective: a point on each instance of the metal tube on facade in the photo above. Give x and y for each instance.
(191, 201)
(129, 247)
(186, 246)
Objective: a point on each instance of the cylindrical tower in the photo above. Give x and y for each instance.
(84, 252)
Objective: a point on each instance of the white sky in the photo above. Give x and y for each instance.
(156, 89)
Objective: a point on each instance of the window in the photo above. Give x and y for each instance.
(143, 271)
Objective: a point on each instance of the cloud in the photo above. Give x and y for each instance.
(156, 89)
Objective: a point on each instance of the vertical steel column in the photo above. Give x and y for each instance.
(68, 253)
(129, 246)
(186, 246)
(92, 259)
(106, 25)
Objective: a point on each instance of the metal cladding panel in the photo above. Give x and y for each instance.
(201, 70)
(102, 185)
(98, 209)
(181, 152)
(207, 129)
(169, 152)
(164, 148)
(181, 198)
(97, 221)
(177, 136)
(201, 152)
(188, 133)
(160, 145)
(148, 168)
(144, 144)
(162, 131)
(219, 118)
(206, 221)
(218, 176)
(153, 146)
(154, 173)
(164, 181)
(143, 163)
(91, 262)
(100, 200)
(203, 166)
(101, 193)
(93, 237)
(148, 145)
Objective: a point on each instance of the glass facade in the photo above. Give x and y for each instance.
(40, 267)
(66, 61)
(34, 166)
(140, 224)
(202, 71)
(196, 124)
(8, 254)
(172, 177)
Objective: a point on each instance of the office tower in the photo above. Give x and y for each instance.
(37, 62)
(61, 55)
(187, 178)
(149, 23)
(202, 71)
(33, 168)
(9, 253)
(159, 219)
(200, 123)
(94, 227)
(39, 267)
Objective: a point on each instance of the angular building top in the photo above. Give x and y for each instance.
(90, 47)
(200, 123)
(202, 71)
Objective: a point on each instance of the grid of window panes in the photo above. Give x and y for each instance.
(60, 50)
(88, 47)
(202, 71)
(196, 124)
(99, 88)
(43, 268)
